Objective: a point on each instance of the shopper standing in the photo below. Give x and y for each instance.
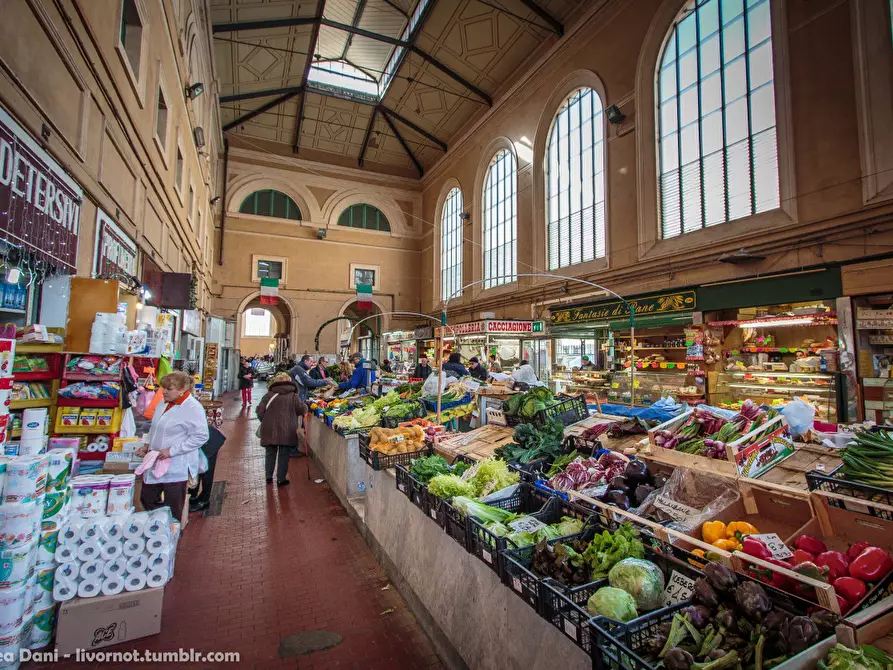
(301, 376)
(494, 364)
(423, 370)
(246, 382)
(280, 412)
(319, 372)
(179, 429)
(200, 495)
(476, 370)
(454, 365)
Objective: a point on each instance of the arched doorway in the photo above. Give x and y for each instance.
(367, 336)
(265, 330)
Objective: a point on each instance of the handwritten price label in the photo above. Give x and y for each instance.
(775, 545)
(675, 509)
(679, 588)
(527, 524)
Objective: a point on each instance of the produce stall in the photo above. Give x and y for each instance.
(401, 350)
(482, 338)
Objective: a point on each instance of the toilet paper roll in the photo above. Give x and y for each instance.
(89, 587)
(158, 544)
(135, 525)
(90, 495)
(117, 567)
(55, 503)
(66, 553)
(4, 460)
(20, 522)
(11, 645)
(64, 590)
(44, 624)
(114, 529)
(160, 560)
(134, 547)
(135, 581)
(43, 592)
(89, 551)
(156, 578)
(59, 465)
(46, 547)
(34, 422)
(93, 529)
(158, 525)
(67, 572)
(70, 533)
(112, 586)
(30, 589)
(92, 569)
(26, 478)
(12, 608)
(16, 564)
(138, 564)
(111, 550)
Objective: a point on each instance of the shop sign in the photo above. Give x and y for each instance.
(399, 336)
(115, 253)
(880, 339)
(681, 301)
(471, 328)
(40, 205)
(509, 326)
(539, 327)
(423, 333)
(873, 319)
(192, 322)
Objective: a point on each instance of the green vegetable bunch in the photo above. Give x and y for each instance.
(532, 443)
(390, 398)
(607, 549)
(425, 469)
(526, 405)
(866, 657)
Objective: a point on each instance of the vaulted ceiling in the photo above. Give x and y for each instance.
(389, 82)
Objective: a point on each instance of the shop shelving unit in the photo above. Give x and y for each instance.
(573, 382)
(650, 386)
(48, 379)
(72, 377)
(734, 386)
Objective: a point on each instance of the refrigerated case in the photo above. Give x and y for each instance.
(649, 386)
(778, 388)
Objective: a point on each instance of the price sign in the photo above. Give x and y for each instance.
(570, 629)
(434, 514)
(487, 556)
(679, 588)
(402, 487)
(516, 584)
(775, 545)
(675, 509)
(527, 524)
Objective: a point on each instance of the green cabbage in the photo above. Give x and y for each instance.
(613, 603)
(642, 579)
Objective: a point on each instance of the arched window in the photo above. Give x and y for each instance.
(364, 216)
(271, 203)
(575, 181)
(500, 220)
(451, 245)
(258, 323)
(717, 137)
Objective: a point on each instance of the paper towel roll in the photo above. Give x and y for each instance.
(55, 503)
(16, 563)
(67, 572)
(66, 553)
(89, 587)
(44, 624)
(114, 529)
(89, 551)
(10, 645)
(112, 586)
(135, 525)
(12, 608)
(26, 478)
(135, 581)
(138, 563)
(43, 592)
(59, 464)
(159, 560)
(117, 567)
(46, 547)
(158, 544)
(34, 422)
(156, 578)
(70, 533)
(64, 590)
(111, 550)
(134, 547)
(92, 569)
(20, 522)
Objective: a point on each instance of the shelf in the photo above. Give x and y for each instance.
(652, 349)
(767, 350)
(47, 375)
(11, 310)
(28, 404)
(38, 348)
(801, 389)
(792, 375)
(781, 320)
(87, 377)
(101, 403)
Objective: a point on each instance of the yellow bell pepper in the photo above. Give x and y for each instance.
(700, 553)
(712, 531)
(738, 529)
(727, 545)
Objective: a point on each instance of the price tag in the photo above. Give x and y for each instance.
(402, 487)
(570, 629)
(775, 545)
(434, 514)
(487, 556)
(675, 509)
(679, 588)
(527, 524)
(516, 584)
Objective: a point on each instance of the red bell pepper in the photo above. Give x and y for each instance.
(843, 604)
(801, 556)
(754, 547)
(811, 570)
(852, 589)
(836, 562)
(779, 580)
(871, 565)
(853, 552)
(810, 544)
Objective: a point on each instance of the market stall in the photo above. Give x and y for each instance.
(482, 338)
(401, 351)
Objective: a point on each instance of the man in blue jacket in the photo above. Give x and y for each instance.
(301, 374)
(358, 378)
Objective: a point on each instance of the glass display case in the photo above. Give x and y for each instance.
(777, 388)
(650, 386)
(574, 382)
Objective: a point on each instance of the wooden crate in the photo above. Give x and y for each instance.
(791, 472)
(593, 420)
(758, 452)
(673, 458)
(478, 444)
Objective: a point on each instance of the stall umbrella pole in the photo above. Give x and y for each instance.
(629, 306)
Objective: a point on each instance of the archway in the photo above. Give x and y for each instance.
(366, 337)
(266, 330)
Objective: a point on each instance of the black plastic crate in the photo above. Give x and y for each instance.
(418, 412)
(411, 487)
(448, 518)
(347, 432)
(517, 575)
(380, 461)
(570, 410)
(616, 646)
(834, 482)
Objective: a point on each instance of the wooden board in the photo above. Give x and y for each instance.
(792, 471)
(88, 296)
(592, 420)
(478, 444)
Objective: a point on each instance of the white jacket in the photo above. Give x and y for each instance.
(183, 429)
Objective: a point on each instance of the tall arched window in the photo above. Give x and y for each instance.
(451, 245)
(501, 220)
(575, 181)
(716, 128)
(271, 203)
(364, 216)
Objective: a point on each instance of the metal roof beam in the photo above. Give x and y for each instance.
(314, 35)
(362, 32)
(554, 23)
(367, 136)
(361, 6)
(259, 94)
(261, 25)
(418, 166)
(260, 110)
(297, 144)
(421, 131)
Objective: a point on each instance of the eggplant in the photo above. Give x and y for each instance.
(618, 499)
(637, 472)
(620, 483)
(642, 491)
(660, 479)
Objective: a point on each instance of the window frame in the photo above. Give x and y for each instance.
(450, 209)
(510, 201)
(273, 192)
(179, 164)
(727, 235)
(162, 142)
(136, 78)
(256, 258)
(271, 323)
(190, 203)
(380, 212)
(364, 266)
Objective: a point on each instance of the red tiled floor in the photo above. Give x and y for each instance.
(277, 562)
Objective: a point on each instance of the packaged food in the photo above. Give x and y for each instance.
(104, 417)
(87, 417)
(69, 417)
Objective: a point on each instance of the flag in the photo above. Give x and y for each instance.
(364, 291)
(269, 291)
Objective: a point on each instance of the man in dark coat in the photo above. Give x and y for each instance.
(476, 370)
(422, 370)
(319, 370)
(202, 500)
(280, 412)
(301, 376)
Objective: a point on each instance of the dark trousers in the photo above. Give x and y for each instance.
(205, 482)
(276, 459)
(174, 497)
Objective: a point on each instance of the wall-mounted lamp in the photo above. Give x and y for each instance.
(373, 140)
(195, 90)
(465, 216)
(614, 115)
(320, 233)
(215, 200)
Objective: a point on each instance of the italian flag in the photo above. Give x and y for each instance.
(269, 291)
(364, 292)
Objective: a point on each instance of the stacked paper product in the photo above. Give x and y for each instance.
(107, 334)
(34, 435)
(108, 555)
(7, 355)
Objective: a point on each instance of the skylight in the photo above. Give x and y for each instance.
(341, 75)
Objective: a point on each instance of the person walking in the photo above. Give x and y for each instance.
(301, 376)
(246, 381)
(179, 429)
(319, 371)
(280, 412)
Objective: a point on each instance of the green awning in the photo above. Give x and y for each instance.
(653, 321)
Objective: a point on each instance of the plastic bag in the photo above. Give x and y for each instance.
(430, 385)
(799, 415)
(128, 424)
(688, 499)
(526, 375)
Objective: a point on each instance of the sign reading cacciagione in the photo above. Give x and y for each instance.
(40, 205)
(484, 327)
(681, 301)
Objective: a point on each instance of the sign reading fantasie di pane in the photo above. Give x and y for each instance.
(681, 301)
(40, 205)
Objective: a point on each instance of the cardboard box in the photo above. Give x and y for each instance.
(93, 623)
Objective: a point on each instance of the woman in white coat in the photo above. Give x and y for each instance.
(179, 429)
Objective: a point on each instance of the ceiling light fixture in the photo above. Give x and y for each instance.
(195, 90)
(373, 140)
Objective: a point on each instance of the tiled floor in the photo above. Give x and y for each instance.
(276, 563)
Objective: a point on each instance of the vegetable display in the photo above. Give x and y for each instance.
(865, 657)
(424, 469)
(868, 459)
(579, 561)
(613, 603)
(500, 522)
(480, 480)
(613, 478)
(642, 579)
(533, 443)
(526, 405)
